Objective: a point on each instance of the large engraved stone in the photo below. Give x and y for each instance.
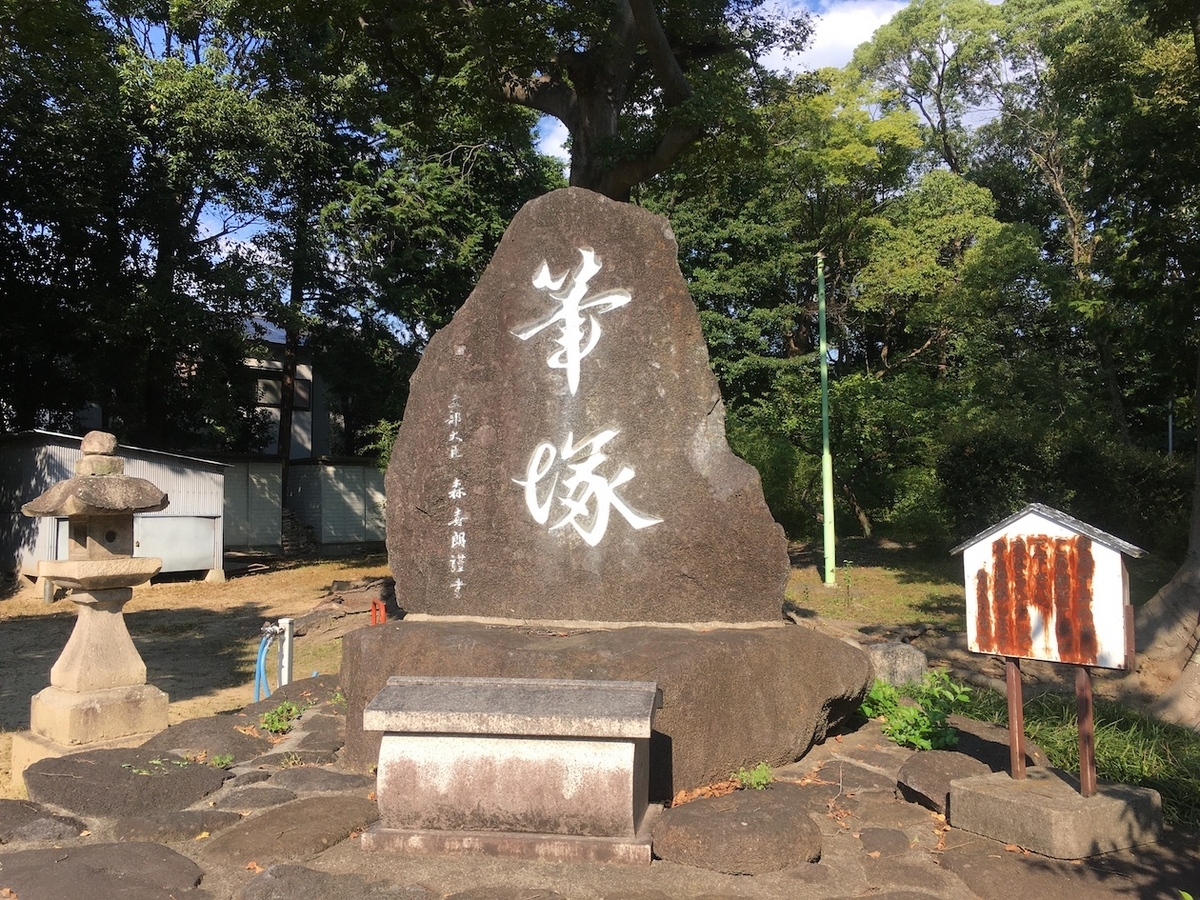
(563, 452)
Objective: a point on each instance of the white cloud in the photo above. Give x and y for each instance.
(840, 26)
(552, 138)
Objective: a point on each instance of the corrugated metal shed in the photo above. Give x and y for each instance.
(188, 534)
(253, 504)
(342, 500)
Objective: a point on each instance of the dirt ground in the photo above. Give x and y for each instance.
(199, 641)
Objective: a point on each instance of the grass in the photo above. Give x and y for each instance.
(880, 581)
(1130, 748)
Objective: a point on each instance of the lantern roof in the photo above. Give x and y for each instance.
(99, 488)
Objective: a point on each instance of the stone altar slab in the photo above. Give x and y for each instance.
(547, 756)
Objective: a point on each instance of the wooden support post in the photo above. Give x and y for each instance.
(1016, 717)
(1087, 731)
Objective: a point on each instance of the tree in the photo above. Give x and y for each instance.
(635, 82)
(935, 57)
(1162, 78)
(64, 156)
(375, 232)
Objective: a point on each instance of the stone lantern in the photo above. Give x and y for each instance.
(98, 696)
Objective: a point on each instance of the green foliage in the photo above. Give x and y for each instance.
(1131, 748)
(922, 726)
(221, 760)
(279, 719)
(881, 700)
(756, 779)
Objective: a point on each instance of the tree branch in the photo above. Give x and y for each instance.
(676, 88)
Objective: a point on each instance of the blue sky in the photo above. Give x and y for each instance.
(841, 25)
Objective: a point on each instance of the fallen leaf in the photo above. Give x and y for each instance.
(8, 894)
(254, 867)
(717, 789)
(874, 854)
(357, 832)
(85, 832)
(371, 796)
(201, 836)
(1012, 848)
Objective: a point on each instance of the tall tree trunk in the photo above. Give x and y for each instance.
(287, 403)
(291, 342)
(1168, 626)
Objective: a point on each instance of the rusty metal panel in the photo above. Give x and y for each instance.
(1037, 590)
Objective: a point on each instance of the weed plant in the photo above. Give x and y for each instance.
(279, 720)
(1131, 748)
(920, 724)
(756, 779)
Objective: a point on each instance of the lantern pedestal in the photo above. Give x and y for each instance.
(100, 653)
(63, 722)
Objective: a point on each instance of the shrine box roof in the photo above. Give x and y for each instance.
(1040, 511)
(1043, 585)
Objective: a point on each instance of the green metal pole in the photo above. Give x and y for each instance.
(826, 456)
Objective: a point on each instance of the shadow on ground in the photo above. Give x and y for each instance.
(911, 563)
(189, 652)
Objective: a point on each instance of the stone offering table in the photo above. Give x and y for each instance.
(544, 768)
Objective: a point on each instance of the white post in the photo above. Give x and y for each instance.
(285, 652)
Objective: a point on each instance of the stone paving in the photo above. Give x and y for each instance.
(282, 821)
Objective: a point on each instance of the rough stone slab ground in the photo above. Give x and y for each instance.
(126, 871)
(748, 832)
(989, 743)
(210, 737)
(173, 827)
(854, 806)
(120, 782)
(925, 778)
(292, 831)
(23, 820)
(318, 780)
(293, 882)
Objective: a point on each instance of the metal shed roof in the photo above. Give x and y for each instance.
(121, 448)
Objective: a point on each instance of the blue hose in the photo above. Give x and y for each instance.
(260, 670)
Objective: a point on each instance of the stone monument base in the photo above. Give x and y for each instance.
(632, 851)
(731, 696)
(1045, 813)
(64, 722)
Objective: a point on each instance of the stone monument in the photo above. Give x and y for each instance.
(563, 451)
(562, 504)
(98, 696)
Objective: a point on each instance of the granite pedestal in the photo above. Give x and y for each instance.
(539, 768)
(1045, 813)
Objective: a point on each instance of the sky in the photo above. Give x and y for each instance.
(840, 26)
